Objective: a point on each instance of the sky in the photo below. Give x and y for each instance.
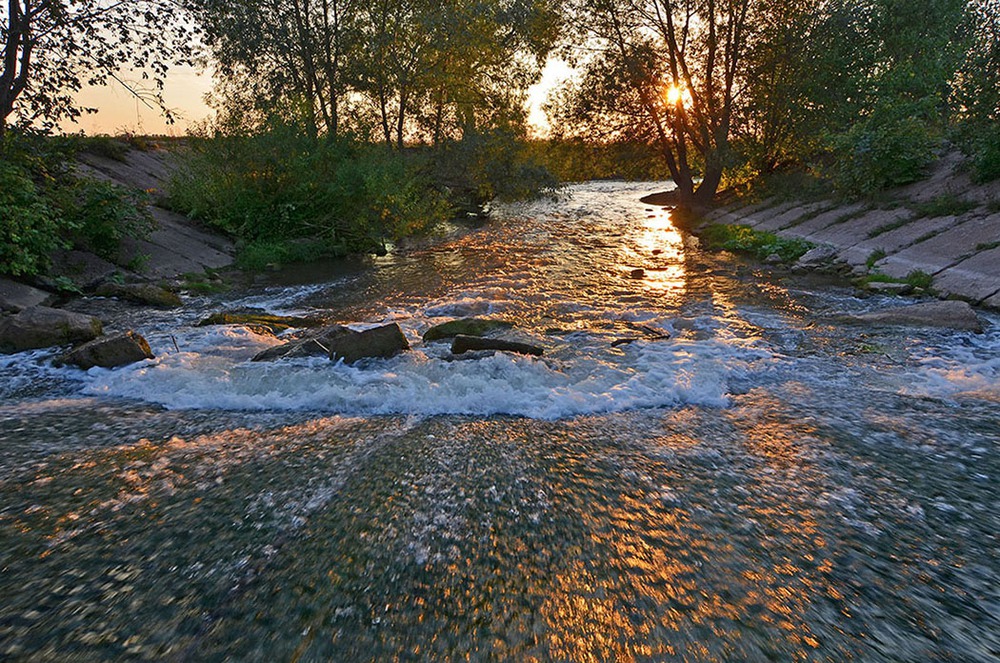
(119, 112)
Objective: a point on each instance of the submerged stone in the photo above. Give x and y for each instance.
(465, 327)
(947, 314)
(141, 293)
(463, 344)
(259, 319)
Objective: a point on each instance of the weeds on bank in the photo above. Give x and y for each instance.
(761, 245)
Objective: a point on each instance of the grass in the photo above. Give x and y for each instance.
(874, 257)
(746, 240)
(916, 279)
(986, 246)
(850, 216)
(262, 254)
(945, 205)
(898, 223)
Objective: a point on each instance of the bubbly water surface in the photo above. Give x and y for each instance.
(770, 483)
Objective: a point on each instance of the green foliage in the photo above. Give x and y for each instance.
(986, 153)
(915, 279)
(261, 254)
(578, 160)
(874, 257)
(744, 239)
(102, 146)
(887, 149)
(281, 185)
(27, 223)
(100, 214)
(45, 206)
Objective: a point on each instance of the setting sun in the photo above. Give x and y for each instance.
(675, 94)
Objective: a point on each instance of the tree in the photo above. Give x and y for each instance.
(51, 48)
(401, 70)
(669, 70)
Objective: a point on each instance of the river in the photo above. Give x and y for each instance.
(771, 483)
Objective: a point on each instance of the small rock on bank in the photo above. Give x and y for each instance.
(16, 296)
(109, 351)
(43, 327)
(947, 314)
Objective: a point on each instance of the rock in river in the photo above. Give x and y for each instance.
(141, 293)
(109, 351)
(949, 314)
(463, 344)
(339, 342)
(314, 344)
(259, 320)
(465, 327)
(42, 327)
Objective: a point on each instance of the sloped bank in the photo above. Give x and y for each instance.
(940, 236)
(147, 271)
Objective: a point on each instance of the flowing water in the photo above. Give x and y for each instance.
(771, 483)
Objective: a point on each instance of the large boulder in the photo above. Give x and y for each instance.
(385, 341)
(109, 351)
(314, 344)
(465, 327)
(42, 327)
(339, 342)
(463, 344)
(947, 314)
(141, 293)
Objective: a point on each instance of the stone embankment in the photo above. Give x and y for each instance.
(946, 227)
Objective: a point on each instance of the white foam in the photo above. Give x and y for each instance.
(967, 365)
(215, 372)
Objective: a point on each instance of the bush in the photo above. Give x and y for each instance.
(44, 206)
(99, 215)
(282, 185)
(986, 155)
(882, 151)
(28, 228)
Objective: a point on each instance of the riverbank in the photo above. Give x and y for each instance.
(176, 253)
(942, 233)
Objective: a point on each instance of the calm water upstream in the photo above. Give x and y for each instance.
(770, 484)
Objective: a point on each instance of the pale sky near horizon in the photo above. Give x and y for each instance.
(120, 112)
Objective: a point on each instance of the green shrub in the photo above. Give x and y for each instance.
(890, 148)
(99, 215)
(45, 206)
(282, 185)
(944, 205)
(28, 228)
(986, 155)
